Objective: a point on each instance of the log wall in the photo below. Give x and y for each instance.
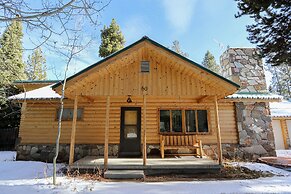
(39, 122)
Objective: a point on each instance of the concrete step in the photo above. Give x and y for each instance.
(124, 174)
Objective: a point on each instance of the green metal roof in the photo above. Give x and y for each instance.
(145, 38)
(254, 95)
(36, 81)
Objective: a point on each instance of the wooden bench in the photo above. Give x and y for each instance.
(178, 141)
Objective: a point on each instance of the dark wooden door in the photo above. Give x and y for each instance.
(130, 132)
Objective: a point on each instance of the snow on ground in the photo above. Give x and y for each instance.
(21, 177)
(263, 168)
(7, 156)
(283, 153)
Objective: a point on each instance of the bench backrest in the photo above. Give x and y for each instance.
(178, 140)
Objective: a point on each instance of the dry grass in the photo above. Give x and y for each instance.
(228, 172)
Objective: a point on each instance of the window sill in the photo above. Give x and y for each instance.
(181, 133)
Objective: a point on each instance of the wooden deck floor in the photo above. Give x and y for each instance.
(180, 164)
(281, 162)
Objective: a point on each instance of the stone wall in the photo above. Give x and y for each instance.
(243, 66)
(45, 153)
(256, 138)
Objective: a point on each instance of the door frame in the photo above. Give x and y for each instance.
(122, 139)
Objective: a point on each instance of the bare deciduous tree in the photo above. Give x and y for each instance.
(73, 47)
(59, 26)
(50, 20)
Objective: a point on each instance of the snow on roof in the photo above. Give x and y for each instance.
(264, 96)
(280, 109)
(45, 92)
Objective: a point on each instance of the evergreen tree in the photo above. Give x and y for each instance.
(11, 64)
(36, 66)
(176, 47)
(271, 29)
(281, 80)
(112, 39)
(210, 63)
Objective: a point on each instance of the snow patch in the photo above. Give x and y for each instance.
(7, 156)
(25, 170)
(283, 153)
(262, 168)
(45, 92)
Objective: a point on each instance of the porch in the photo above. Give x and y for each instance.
(117, 107)
(177, 165)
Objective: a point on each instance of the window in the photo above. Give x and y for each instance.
(68, 114)
(190, 121)
(176, 120)
(194, 121)
(130, 124)
(145, 66)
(202, 121)
(165, 121)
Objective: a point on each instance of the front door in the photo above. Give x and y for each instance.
(130, 131)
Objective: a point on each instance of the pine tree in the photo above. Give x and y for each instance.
(281, 79)
(210, 63)
(271, 28)
(112, 39)
(36, 66)
(11, 64)
(177, 48)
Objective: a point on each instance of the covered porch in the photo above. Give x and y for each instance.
(172, 141)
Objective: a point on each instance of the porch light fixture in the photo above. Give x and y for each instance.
(129, 99)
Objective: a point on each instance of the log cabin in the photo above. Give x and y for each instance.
(146, 99)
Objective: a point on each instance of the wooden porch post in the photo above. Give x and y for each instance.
(219, 150)
(144, 131)
(73, 133)
(106, 133)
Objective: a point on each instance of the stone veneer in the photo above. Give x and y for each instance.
(243, 66)
(256, 138)
(45, 153)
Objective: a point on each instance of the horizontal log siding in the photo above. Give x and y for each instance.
(39, 124)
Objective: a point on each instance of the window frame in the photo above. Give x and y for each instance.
(68, 120)
(209, 132)
(149, 66)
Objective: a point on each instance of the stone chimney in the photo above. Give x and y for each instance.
(245, 67)
(255, 132)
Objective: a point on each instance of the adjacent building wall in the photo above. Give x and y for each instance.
(278, 135)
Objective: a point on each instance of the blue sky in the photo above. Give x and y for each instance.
(199, 25)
